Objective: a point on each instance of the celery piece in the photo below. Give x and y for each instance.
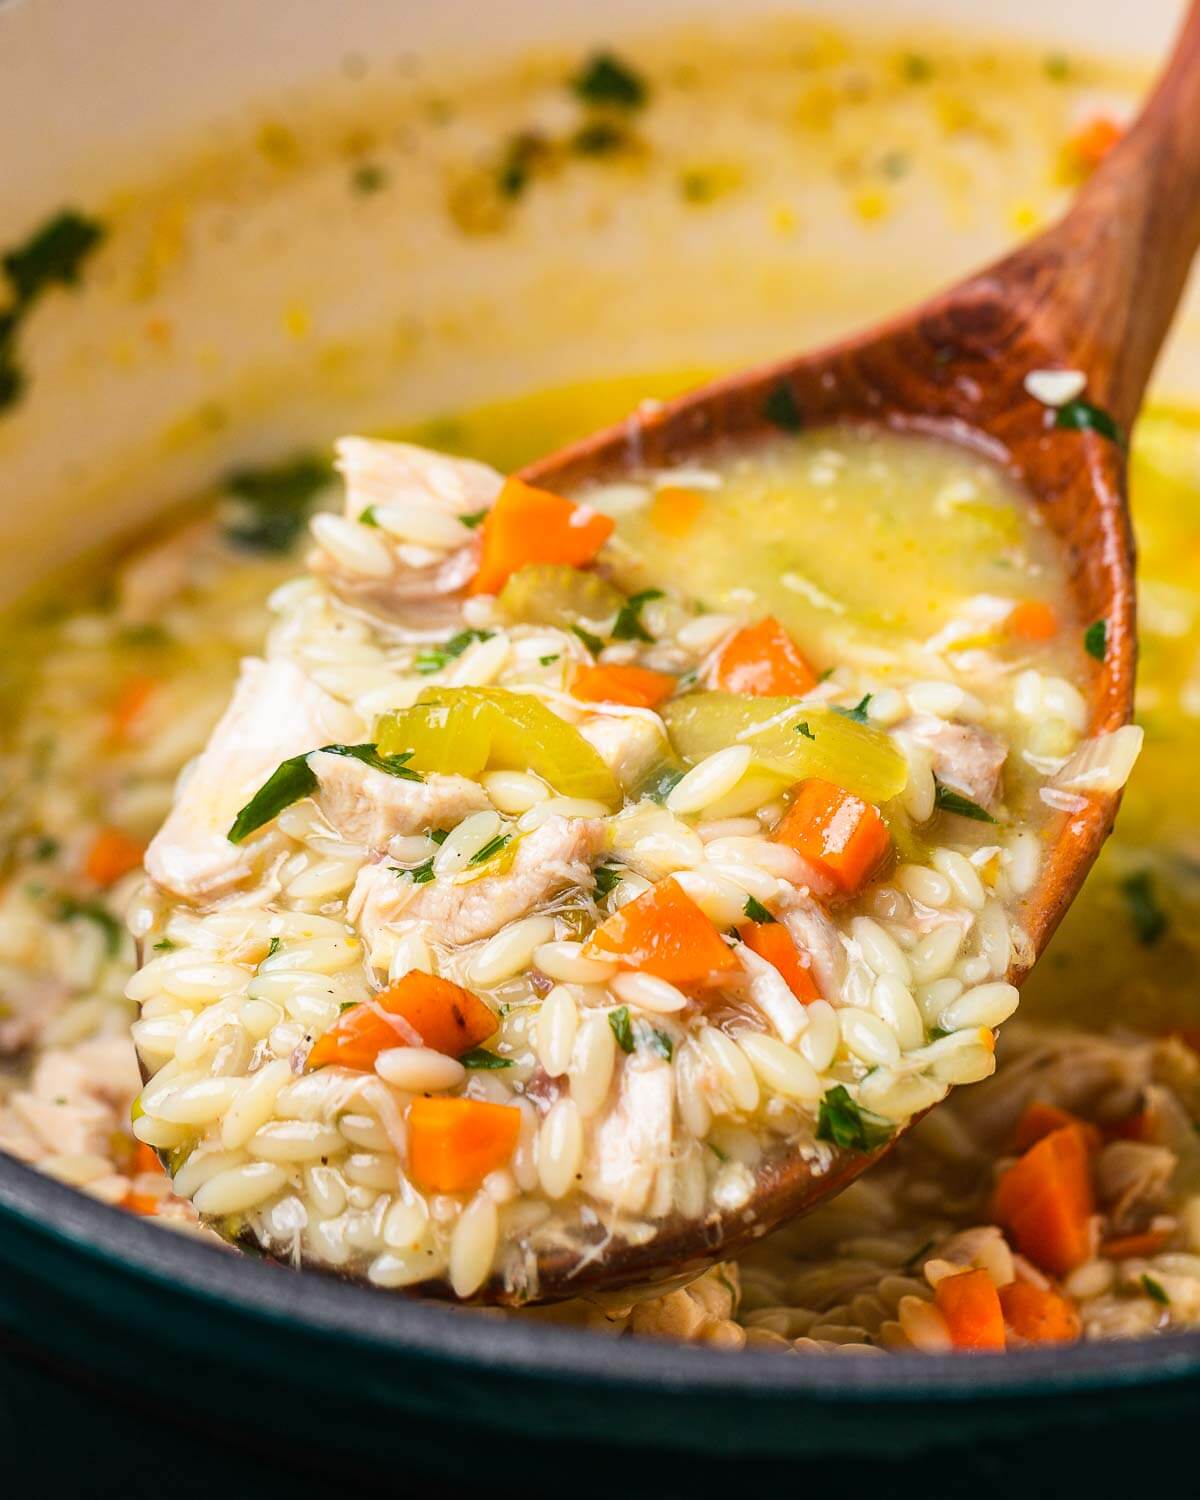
(791, 738)
(557, 594)
(470, 730)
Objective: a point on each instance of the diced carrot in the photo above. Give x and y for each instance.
(428, 1012)
(454, 1143)
(1045, 1201)
(141, 1203)
(637, 686)
(666, 934)
(1032, 620)
(1135, 1246)
(843, 836)
(128, 705)
(1039, 1315)
(763, 660)
(970, 1306)
(1091, 142)
(528, 525)
(111, 855)
(772, 941)
(675, 510)
(144, 1159)
(1040, 1119)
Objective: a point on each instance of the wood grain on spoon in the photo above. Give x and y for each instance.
(1096, 293)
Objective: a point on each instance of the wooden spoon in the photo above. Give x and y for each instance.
(1096, 294)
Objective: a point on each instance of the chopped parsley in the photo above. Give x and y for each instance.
(421, 875)
(368, 517)
(1146, 915)
(439, 835)
(273, 947)
(608, 877)
(605, 80)
(622, 1029)
(490, 849)
(599, 138)
(782, 409)
(270, 506)
(368, 178)
(164, 945)
(756, 911)
(1095, 639)
(473, 519)
(593, 642)
(518, 161)
(70, 908)
(857, 714)
(1083, 416)
(45, 848)
(655, 1041)
(480, 1060)
(294, 779)
(628, 624)
(545, 661)
(1155, 1290)
(848, 1125)
(948, 800)
(52, 256)
(437, 657)
(802, 728)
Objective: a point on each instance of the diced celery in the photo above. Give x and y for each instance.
(469, 730)
(556, 594)
(791, 738)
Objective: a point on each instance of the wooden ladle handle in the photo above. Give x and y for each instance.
(1119, 260)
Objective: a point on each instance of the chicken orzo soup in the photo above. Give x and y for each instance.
(537, 899)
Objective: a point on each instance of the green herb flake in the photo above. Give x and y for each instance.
(936, 1033)
(273, 947)
(621, 1027)
(1082, 416)
(606, 79)
(473, 518)
(480, 1060)
(782, 409)
(608, 877)
(948, 800)
(1155, 1290)
(802, 728)
(654, 1040)
(756, 911)
(70, 908)
(422, 875)
(294, 779)
(846, 1124)
(490, 849)
(368, 517)
(439, 835)
(628, 624)
(857, 714)
(438, 657)
(518, 160)
(368, 178)
(270, 506)
(1095, 639)
(164, 945)
(1146, 915)
(593, 642)
(599, 138)
(546, 661)
(45, 848)
(53, 255)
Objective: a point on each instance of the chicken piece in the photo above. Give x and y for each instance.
(369, 807)
(965, 758)
(630, 745)
(399, 474)
(552, 858)
(276, 713)
(633, 1138)
(814, 934)
(378, 473)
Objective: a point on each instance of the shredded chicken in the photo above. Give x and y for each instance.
(276, 713)
(965, 758)
(629, 744)
(814, 934)
(633, 1138)
(370, 807)
(552, 858)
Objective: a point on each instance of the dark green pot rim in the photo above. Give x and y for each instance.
(178, 1266)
